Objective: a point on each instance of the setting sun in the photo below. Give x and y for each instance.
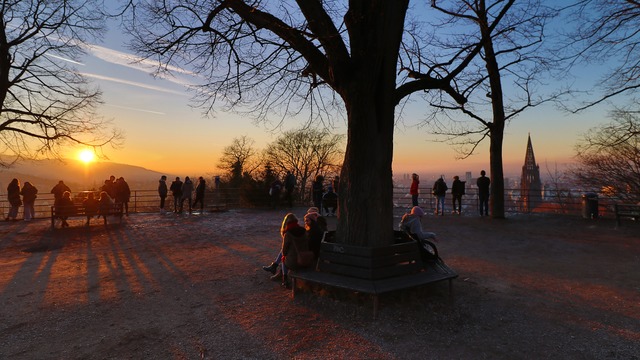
(86, 156)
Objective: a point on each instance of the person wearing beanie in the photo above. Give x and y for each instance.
(411, 222)
(314, 229)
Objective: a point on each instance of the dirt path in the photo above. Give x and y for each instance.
(191, 287)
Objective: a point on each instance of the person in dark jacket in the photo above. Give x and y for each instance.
(162, 192)
(483, 183)
(293, 241)
(58, 190)
(315, 225)
(29, 195)
(317, 190)
(122, 194)
(13, 196)
(176, 191)
(457, 190)
(187, 192)
(440, 190)
(200, 190)
(91, 206)
(65, 208)
(104, 207)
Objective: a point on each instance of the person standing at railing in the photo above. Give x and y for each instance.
(176, 190)
(440, 190)
(457, 190)
(187, 192)
(58, 191)
(13, 196)
(483, 183)
(413, 190)
(29, 194)
(200, 189)
(122, 194)
(162, 192)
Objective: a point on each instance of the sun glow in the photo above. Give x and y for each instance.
(86, 156)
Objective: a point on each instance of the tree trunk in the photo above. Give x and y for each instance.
(366, 187)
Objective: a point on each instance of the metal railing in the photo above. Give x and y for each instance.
(561, 202)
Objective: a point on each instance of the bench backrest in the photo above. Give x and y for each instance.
(369, 262)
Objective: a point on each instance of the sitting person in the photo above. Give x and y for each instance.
(105, 205)
(65, 208)
(411, 223)
(330, 201)
(315, 226)
(90, 205)
(293, 240)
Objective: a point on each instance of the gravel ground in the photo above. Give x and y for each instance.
(191, 287)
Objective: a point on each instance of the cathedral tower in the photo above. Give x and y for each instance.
(530, 185)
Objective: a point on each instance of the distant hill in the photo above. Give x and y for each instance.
(44, 174)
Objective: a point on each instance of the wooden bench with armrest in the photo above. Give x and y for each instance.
(631, 211)
(79, 211)
(374, 271)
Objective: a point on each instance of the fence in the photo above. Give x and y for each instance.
(562, 201)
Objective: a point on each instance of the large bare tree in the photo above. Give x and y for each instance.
(292, 58)
(238, 158)
(500, 84)
(45, 103)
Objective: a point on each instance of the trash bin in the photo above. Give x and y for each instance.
(590, 206)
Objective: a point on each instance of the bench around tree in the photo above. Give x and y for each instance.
(374, 271)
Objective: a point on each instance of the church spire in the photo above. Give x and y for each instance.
(530, 184)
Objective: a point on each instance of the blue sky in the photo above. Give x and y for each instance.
(164, 133)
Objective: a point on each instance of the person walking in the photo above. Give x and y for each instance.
(200, 190)
(187, 193)
(440, 190)
(176, 191)
(483, 183)
(13, 196)
(29, 195)
(162, 192)
(414, 189)
(457, 190)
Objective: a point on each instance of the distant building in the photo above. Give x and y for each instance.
(530, 185)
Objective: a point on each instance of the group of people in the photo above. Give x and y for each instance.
(296, 240)
(182, 191)
(29, 194)
(113, 191)
(119, 191)
(440, 188)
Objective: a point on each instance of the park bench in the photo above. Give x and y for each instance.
(79, 211)
(373, 271)
(626, 211)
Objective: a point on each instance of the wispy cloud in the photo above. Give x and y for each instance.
(134, 83)
(135, 109)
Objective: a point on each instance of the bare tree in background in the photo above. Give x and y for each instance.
(281, 59)
(500, 84)
(238, 158)
(305, 152)
(609, 157)
(45, 103)
(605, 31)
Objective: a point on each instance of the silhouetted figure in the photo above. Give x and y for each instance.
(162, 192)
(289, 187)
(457, 190)
(58, 190)
(176, 191)
(187, 193)
(317, 190)
(91, 206)
(483, 183)
(29, 195)
(200, 190)
(13, 196)
(440, 190)
(330, 201)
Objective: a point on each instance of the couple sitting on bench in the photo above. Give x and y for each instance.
(300, 245)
